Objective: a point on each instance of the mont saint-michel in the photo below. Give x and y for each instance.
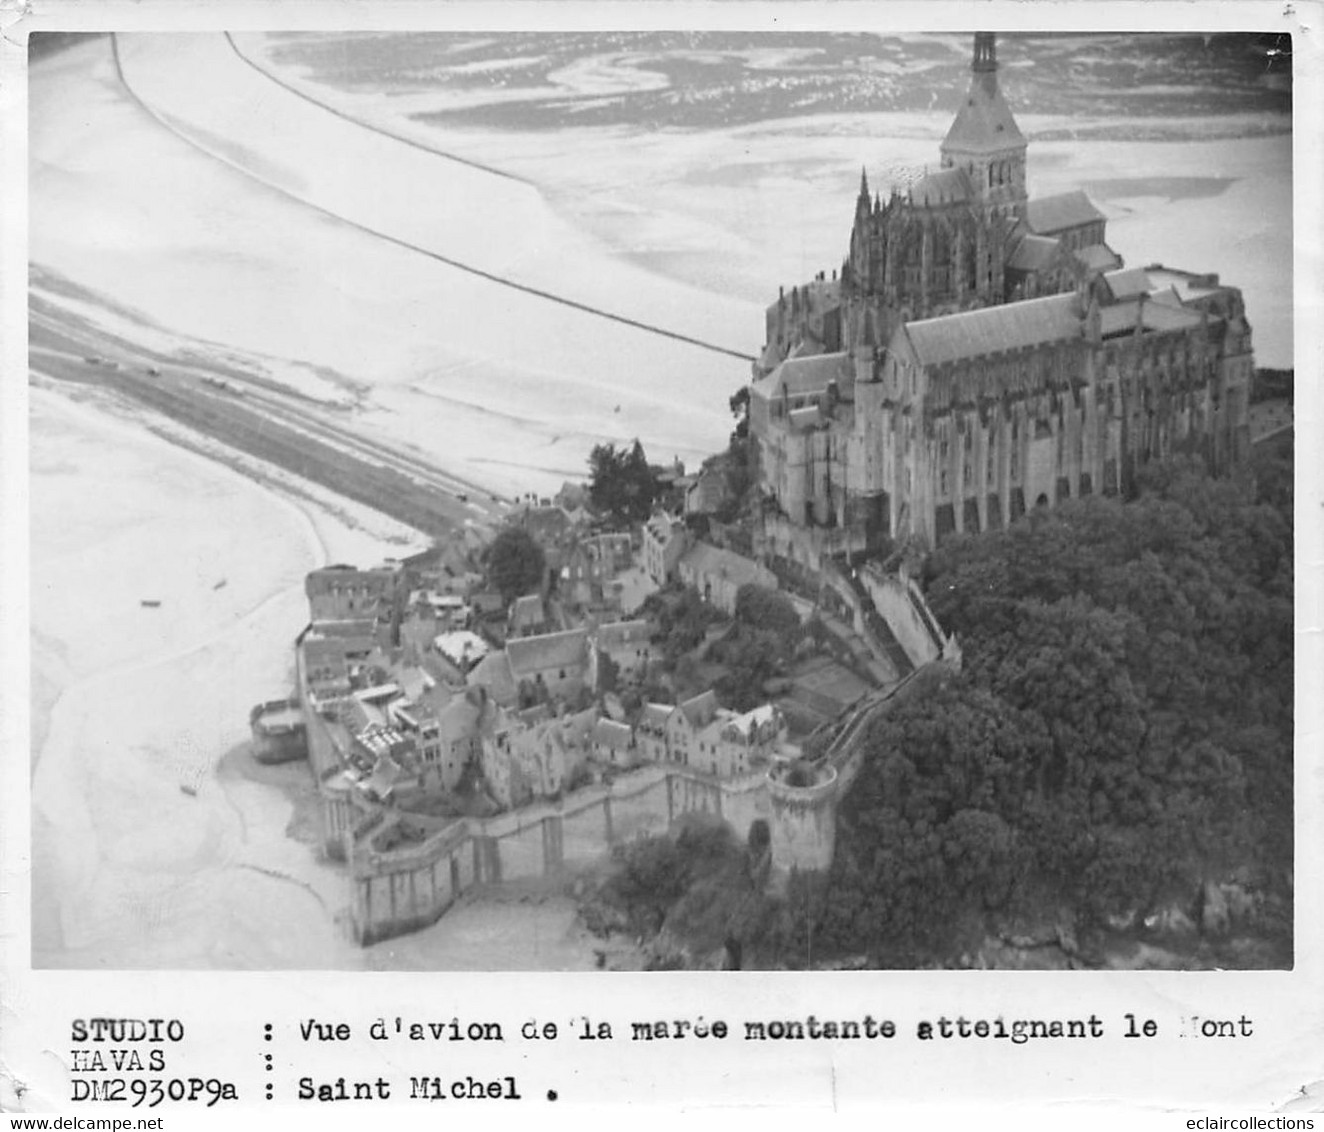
(841, 517)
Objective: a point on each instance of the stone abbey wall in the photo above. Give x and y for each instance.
(407, 888)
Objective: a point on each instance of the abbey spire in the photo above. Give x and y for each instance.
(984, 139)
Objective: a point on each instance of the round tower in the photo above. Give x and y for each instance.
(803, 829)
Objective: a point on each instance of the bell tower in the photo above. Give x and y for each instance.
(984, 139)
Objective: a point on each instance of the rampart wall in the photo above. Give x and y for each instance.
(899, 603)
(408, 887)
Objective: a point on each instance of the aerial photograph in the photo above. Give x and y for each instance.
(661, 500)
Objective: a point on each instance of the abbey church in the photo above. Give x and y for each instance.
(981, 353)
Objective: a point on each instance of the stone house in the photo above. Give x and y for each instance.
(527, 617)
(733, 745)
(718, 575)
(613, 742)
(552, 666)
(342, 593)
(651, 732)
(591, 565)
(664, 541)
(628, 645)
(684, 724)
(524, 762)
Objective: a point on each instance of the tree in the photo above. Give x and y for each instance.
(1121, 729)
(515, 563)
(621, 483)
(758, 607)
(739, 402)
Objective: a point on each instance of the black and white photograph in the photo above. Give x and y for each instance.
(661, 500)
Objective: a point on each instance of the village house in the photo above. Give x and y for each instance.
(591, 565)
(527, 617)
(707, 494)
(552, 666)
(417, 719)
(342, 593)
(417, 632)
(718, 575)
(664, 541)
(651, 732)
(628, 645)
(448, 610)
(684, 724)
(735, 744)
(462, 649)
(522, 762)
(613, 742)
(699, 734)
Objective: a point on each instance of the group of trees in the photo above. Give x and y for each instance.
(515, 563)
(1121, 729)
(759, 646)
(622, 485)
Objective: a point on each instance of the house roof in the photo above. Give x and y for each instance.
(663, 526)
(655, 715)
(318, 651)
(526, 611)
(984, 123)
(1033, 253)
(330, 579)
(752, 719)
(700, 710)
(618, 633)
(461, 646)
(1047, 216)
(713, 562)
(529, 655)
(942, 186)
(1011, 326)
(612, 734)
(805, 375)
(494, 672)
(1099, 257)
(1127, 283)
(459, 719)
(1153, 316)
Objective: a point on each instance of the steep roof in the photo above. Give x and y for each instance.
(618, 633)
(944, 186)
(1153, 316)
(1011, 326)
(527, 611)
(655, 715)
(1099, 257)
(700, 710)
(609, 733)
(805, 375)
(1033, 253)
(1047, 216)
(548, 650)
(715, 561)
(984, 123)
(494, 672)
(752, 720)
(461, 646)
(1127, 283)
(459, 719)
